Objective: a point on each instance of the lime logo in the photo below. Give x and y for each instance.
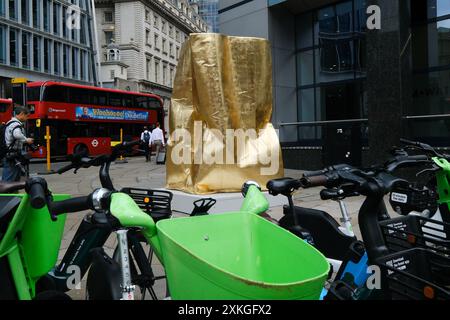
(95, 143)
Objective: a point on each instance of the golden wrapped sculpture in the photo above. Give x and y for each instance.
(219, 119)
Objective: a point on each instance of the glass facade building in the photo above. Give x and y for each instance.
(346, 93)
(36, 41)
(430, 27)
(208, 10)
(331, 63)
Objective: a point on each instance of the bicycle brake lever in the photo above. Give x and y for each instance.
(433, 170)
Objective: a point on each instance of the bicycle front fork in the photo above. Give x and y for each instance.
(127, 287)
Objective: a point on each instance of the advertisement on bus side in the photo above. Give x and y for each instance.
(88, 113)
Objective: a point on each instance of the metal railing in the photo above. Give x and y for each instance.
(361, 120)
(322, 123)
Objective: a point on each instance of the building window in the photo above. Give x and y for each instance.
(37, 53)
(164, 74)
(156, 21)
(83, 4)
(177, 37)
(26, 50)
(46, 9)
(66, 60)
(2, 8)
(109, 36)
(84, 26)
(75, 63)
(171, 32)
(171, 76)
(36, 13)
(64, 23)
(56, 18)
(148, 68)
(164, 46)
(431, 76)
(177, 53)
(13, 10)
(171, 49)
(438, 8)
(163, 27)
(47, 55)
(112, 74)
(156, 71)
(147, 37)
(147, 16)
(330, 60)
(56, 58)
(2, 44)
(13, 47)
(25, 12)
(108, 17)
(156, 41)
(83, 67)
(74, 34)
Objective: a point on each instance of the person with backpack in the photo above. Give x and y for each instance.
(12, 140)
(145, 138)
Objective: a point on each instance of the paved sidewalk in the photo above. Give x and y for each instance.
(138, 173)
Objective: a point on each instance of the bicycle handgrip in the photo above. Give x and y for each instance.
(36, 193)
(71, 205)
(316, 181)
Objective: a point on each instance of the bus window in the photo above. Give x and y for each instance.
(154, 103)
(97, 97)
(80, 96)
(55, 94)
(142, 102)
(3, 107)
(128, 101)
(115, 100)
(34, 93)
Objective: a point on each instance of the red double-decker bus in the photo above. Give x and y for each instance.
(6, 110)
(87, 119)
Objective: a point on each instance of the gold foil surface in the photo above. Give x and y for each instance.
(222, 92)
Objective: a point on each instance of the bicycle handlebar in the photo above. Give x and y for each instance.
(423, 147)
(66, 168)
(71, 205)
(324, 171)
(405, 161)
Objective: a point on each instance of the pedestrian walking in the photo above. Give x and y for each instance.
(14, 139)
(146, 138)
(157, 139)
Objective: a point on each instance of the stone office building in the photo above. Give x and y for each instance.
(346, 93)
(36, 43)
(141, 41)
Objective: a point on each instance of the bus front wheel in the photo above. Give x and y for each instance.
(81, 149)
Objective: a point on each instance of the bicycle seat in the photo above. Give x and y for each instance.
(8, 187)
(284, 186)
